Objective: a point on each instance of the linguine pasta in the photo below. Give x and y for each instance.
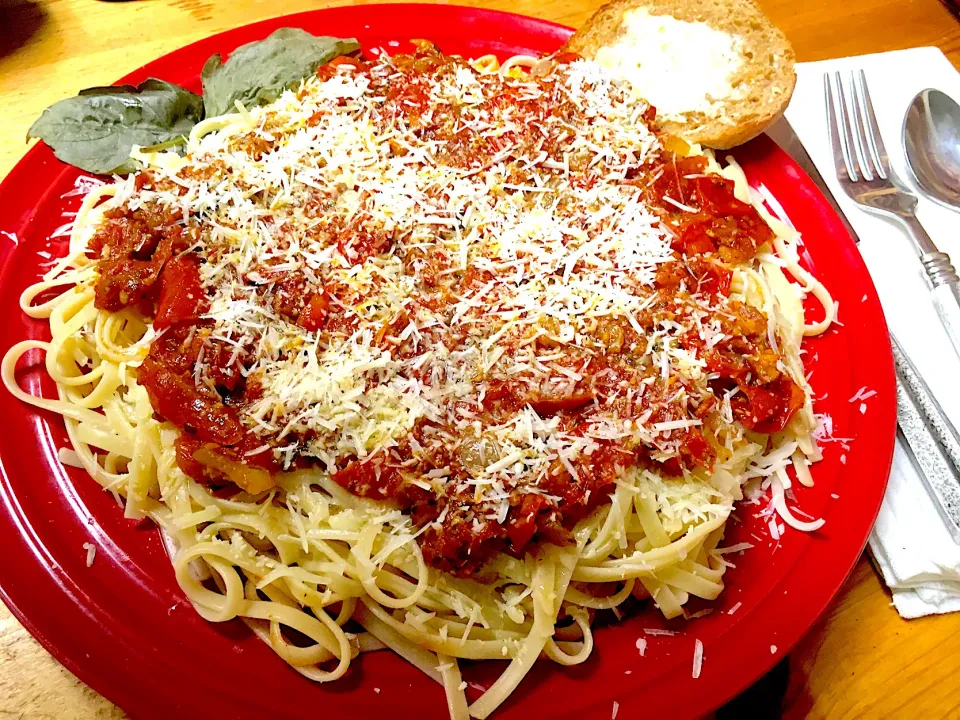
(326, 528)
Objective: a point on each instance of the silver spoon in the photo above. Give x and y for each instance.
(931, 142)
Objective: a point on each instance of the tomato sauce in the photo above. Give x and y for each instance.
(713, 231)
(202, 414)
(147, 258)
(133, 247)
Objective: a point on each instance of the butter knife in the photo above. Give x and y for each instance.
(926, 431)
(931, 440)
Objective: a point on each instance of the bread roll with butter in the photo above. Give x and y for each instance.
(717, 71)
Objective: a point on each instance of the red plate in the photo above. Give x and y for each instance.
(124, 627)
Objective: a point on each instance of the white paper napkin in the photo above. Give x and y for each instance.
(917, 557)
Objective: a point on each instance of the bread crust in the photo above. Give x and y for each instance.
(766, 79)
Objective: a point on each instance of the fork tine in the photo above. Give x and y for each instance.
(861, 132)
(843, 128)
(839, 161)
(874, 140)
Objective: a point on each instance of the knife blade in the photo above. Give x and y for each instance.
(784, 135)
(931, 439)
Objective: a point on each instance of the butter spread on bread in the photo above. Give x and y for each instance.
(717, 71)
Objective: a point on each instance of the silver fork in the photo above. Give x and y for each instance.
(865, 175)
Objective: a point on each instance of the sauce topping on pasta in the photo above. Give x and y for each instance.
(477, 296)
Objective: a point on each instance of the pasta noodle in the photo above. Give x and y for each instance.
(323, 574)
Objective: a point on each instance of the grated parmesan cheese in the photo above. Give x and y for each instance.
(69, 457)
(449, 275)
(773, 528)
(91, 553)
(659, 631)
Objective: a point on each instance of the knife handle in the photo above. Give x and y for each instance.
(946, 293)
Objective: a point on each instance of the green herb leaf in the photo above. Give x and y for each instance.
(96, 130)
(260, 71)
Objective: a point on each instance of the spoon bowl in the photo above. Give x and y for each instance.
(931, 143)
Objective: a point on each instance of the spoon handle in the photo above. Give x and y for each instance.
(946, 293)
(942, 276)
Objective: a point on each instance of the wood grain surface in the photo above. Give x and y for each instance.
(860, 661)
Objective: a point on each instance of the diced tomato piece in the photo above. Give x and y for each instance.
(178, 400)
(728, 368)
(566, 57)
(700, 245)
(371, 478)
(314, 314)
(692, 240)
(133, 247)
(717, 281)
(504, 393)
(347, 60)
(328, 70)
(789, 398)
(551, 406)
(522, 523)
(408, 98)
(716, 196)
(182, 297)
(768, 408)
(695, 450)
(712, 277)
(761, 405)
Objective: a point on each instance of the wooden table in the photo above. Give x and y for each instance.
(861, 659)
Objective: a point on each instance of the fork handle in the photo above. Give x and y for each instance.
(922, 241)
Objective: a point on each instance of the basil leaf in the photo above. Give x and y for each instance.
(96, 130)
(259, 72)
